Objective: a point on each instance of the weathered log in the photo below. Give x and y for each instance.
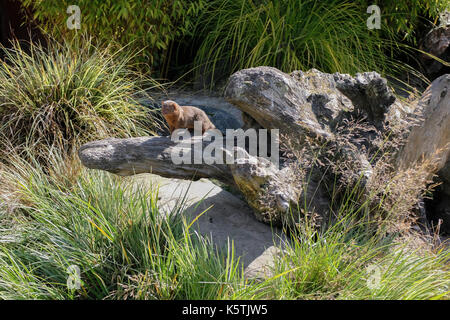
(309, 104)
(257, 178)
(301, 104)
(318, 105)
(274, 100)
(148, 155)
(429, 140)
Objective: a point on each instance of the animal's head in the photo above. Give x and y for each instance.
(169, 107)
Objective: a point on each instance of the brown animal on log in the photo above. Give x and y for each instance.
(183, 117)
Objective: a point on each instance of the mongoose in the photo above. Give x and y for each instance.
(183, 117)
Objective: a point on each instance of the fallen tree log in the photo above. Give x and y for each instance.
(349, 119)
(148, 155)
(264, 186)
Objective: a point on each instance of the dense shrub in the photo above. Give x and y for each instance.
(150, 25)
(405, 17)
(233, 34)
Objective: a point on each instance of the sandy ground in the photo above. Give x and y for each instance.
(228, 219)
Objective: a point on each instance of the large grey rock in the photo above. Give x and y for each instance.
(220, 118)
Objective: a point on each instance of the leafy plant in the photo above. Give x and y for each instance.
(405, 17)
(147, 25)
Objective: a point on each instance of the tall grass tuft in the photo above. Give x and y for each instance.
(331, 36)
(345, 262)
(123, 245)
(59, 94)
(127, 248)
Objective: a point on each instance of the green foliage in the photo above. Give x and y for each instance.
(406, 16)
(124, 246)
(345, 263)
(58, 214)
(331, 36)
(147, 25)
(127, 248)
(227, 35)
(60, 95)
